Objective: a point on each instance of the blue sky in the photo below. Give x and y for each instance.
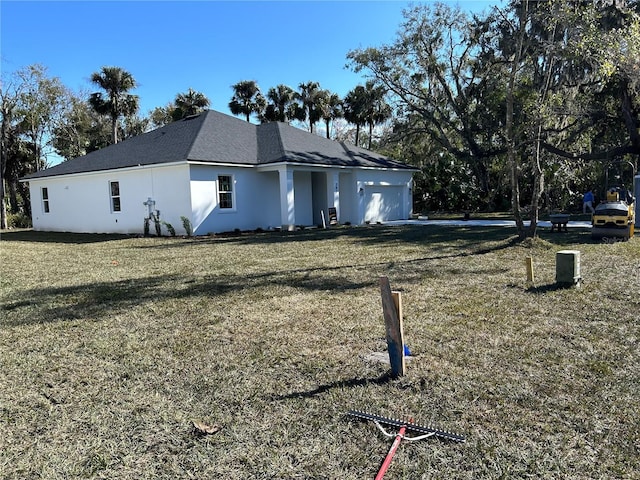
(207, 45)
(171, 46)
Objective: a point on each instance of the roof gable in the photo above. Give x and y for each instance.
(167, 144)
(224, 139)
(302, 147)
(214, 137)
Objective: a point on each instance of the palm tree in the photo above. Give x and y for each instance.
(377, 110)
(365, 105)
(189, 103)
(330, 107)
(247, 99)
(308, 96)
(354, 109)
(115, 101)
(282, 106)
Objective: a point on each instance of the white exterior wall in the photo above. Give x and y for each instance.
(383, 195)
(82, 203)
(319, 197)
(303, 195)
(348, 212)
(256, 202)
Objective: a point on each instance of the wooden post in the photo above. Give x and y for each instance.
(392, 311)
(397, 300)
(529, 265)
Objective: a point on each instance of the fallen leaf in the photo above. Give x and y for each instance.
(204, 429)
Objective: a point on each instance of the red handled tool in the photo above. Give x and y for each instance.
(403, 426)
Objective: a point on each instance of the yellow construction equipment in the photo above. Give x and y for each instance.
(614, 218)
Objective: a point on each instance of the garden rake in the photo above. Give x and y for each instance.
(403, 426)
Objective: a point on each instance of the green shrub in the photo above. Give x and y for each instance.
(170, 229)
(18, 220)
(186, 224)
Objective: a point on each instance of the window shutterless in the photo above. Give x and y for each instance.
(115, 196)
(45, 199)
(225, 191)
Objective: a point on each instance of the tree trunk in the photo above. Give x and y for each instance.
(13, 195)
(515, 193)
(39, 162)
(3, 208)
(357, 133)
(514, 166)
(538, 186)
(538, 171)
(114, 129)
(327, 123)
(3, 166)
(514, 175)
(628, 115)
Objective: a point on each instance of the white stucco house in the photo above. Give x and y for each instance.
(223, 174)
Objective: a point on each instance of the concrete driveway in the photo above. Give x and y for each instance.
(482, 223)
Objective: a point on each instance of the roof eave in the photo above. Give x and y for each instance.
(100, 172)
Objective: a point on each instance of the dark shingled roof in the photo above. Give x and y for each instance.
(214, 137)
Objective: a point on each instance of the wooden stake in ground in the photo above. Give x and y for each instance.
(528, 261)
(392, 311)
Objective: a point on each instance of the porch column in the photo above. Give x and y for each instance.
(333, 191)
(360, 186)
(287, 199)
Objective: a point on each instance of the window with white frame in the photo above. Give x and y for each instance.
(45, 199)
(225, 191)
(114, 190)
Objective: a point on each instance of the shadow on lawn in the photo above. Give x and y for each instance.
(572, 237)
(94, 301)
(373, 234)
(58, 237)
(464, 237)
(461, 237)
(550, 287)
(355, 382)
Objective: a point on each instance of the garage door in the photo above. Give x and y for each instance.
(382, 203)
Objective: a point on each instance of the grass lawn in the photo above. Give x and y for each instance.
(110, 347)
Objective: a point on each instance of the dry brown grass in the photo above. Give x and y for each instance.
(111, 346)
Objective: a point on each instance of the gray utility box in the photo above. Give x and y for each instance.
(568, 267)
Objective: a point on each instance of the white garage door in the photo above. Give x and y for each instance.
(382, 203)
